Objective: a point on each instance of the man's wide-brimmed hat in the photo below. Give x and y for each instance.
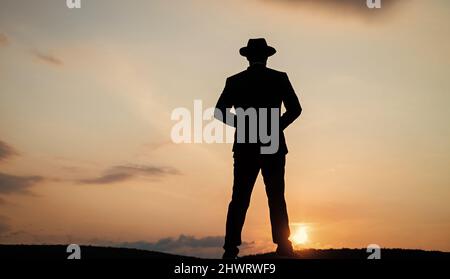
(257, 47)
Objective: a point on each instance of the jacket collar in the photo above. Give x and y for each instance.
(257, 66)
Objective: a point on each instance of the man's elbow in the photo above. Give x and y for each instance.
(218, 114)
(298, 112)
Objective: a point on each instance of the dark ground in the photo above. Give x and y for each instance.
(93, 252)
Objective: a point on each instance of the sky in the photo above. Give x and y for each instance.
(86, 97)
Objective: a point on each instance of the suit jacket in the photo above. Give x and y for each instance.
(259, 87)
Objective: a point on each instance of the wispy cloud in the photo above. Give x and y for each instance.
(209, 246)
(4, 41)
(10, 184)
(347, 7)
(6, 151)
(47, 58)
(171, 244)
(14, 183)
(122, 173)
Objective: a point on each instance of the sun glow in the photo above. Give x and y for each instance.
(300, 235)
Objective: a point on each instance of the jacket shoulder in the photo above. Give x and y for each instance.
(276, 72)
(237, 76)
(244, 73)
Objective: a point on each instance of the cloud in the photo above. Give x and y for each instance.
(170, 244)
(17, 184)
(209, 246)
(6, 151)
(346, 7)
(14, 183)
(122, 173)
(4, 41)
(47, 58)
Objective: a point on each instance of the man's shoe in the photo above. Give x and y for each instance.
(285, 249)
(230, 253)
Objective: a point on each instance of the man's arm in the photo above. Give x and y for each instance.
(291, 103)
(222, 111)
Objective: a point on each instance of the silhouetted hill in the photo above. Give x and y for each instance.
(93, 252)
(87, 252)
(344, 253)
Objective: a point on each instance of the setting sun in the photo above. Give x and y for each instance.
(300, 236)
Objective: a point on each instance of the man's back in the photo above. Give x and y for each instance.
(257, 88)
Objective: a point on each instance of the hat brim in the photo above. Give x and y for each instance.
(266, 51)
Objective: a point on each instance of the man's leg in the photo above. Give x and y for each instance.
(273, 173)
(245, 173)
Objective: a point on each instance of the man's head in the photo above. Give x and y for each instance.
(257, 51)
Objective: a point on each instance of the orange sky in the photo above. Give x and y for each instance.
(86, 97)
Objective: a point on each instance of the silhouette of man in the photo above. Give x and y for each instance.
(258, 87)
